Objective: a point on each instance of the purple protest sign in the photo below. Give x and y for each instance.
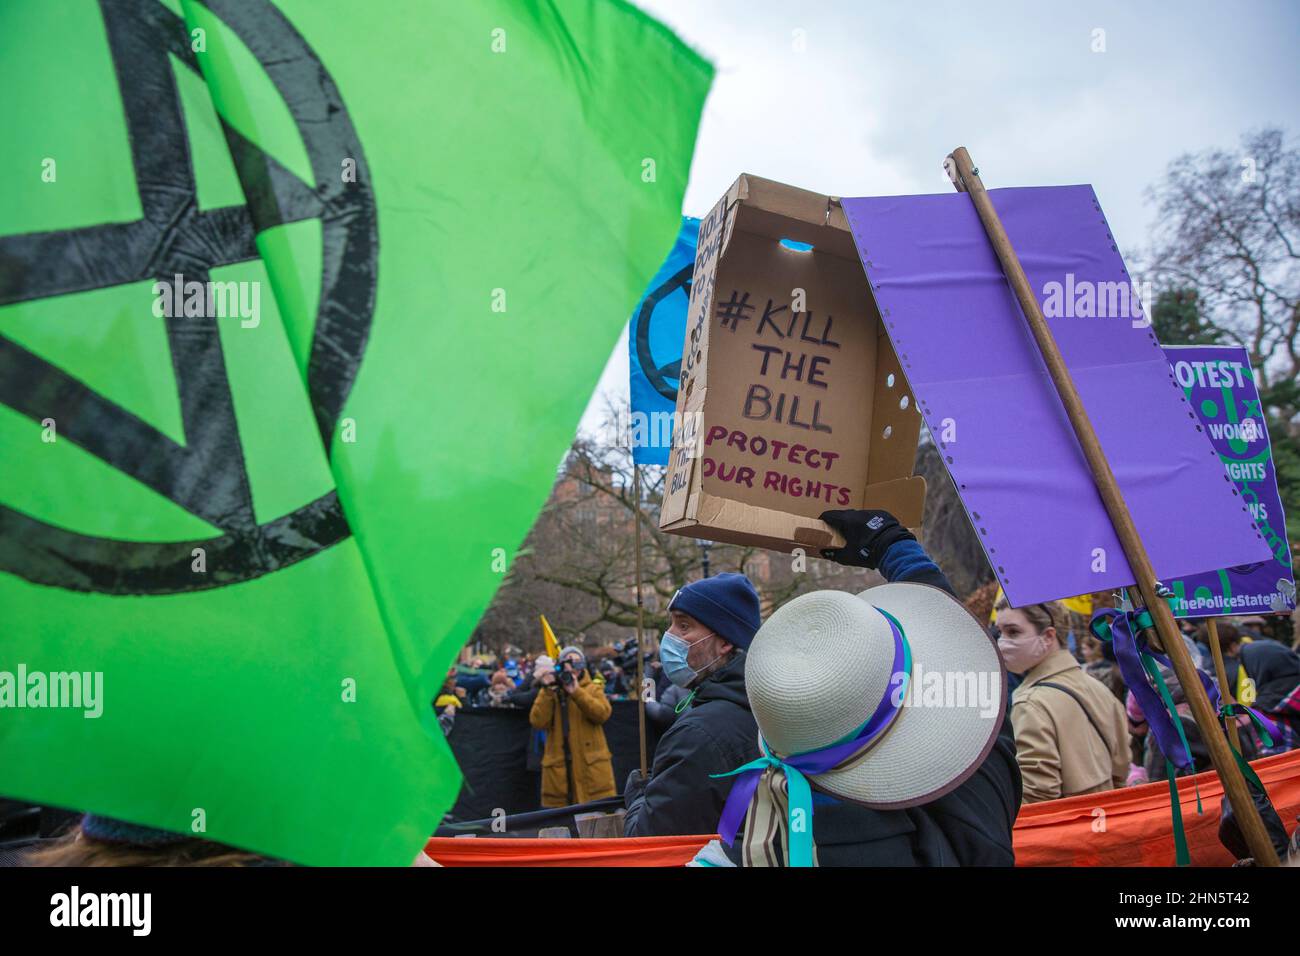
(1218, 384)
(985, 393)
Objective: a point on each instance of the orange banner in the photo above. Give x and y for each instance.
(1133, 827)
(1130, 827)
(630, 851)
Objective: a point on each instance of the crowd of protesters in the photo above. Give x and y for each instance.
(740, 700)
(1073, 738)
(1077, 728)
(1070, 725)
(513, 681)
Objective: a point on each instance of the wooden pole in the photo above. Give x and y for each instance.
(1221, 674)
(640, 623)
(965, 177)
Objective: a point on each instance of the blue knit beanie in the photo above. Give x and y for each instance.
(725, 603)
(110, 830)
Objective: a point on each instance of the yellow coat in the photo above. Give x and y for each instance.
(593, 771)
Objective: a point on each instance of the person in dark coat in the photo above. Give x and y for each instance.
(615, 684)
(1274, 670)
(713, 621)
(966, 772)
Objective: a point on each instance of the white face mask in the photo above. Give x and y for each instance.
(1021, 654)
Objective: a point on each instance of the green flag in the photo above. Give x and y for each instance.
(300, 303)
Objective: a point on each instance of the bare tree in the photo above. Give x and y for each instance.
(1229, 227)
(580, 562)
(599, 560)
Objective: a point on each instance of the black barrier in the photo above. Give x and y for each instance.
(491, 746)
(528, 824)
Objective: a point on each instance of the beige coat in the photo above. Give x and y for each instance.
(1059, 752)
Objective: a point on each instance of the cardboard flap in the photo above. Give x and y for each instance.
(819, 536)
(682, 475)
(895, 425)
(782, 531)
(904, 498)
(787, 202)
(780, 212)
(792, 401)
(720, 519)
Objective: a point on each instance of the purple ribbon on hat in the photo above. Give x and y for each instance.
(816, 761)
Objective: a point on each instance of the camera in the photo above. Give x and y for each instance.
(627, 655)
(566, 675)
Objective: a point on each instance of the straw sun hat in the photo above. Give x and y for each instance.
(828, 663)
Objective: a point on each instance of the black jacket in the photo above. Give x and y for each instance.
(717, 733)
(1274, 668)
(970, 826)
(663, 712)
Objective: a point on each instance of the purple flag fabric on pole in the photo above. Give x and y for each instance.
(985, 393)
(1218, 383)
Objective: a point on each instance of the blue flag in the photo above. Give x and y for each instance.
(654, 342)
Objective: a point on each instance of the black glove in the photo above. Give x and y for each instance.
(868, 535)
(633, 788)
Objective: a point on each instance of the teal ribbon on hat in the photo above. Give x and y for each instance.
(798, 790)
(798, 795)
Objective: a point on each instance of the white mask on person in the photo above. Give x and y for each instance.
(1022, 653)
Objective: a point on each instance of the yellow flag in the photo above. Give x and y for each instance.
(1079, 605)
(552, 645)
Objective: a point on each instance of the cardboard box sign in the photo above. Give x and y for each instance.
(792, 401)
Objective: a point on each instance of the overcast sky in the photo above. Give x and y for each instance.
(881, 92)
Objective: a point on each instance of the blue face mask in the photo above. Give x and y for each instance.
(673, 652)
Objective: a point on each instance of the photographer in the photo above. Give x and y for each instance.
(571, 708)
(616, 686)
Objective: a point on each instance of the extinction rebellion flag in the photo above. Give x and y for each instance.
(300, 303)
(655, 334)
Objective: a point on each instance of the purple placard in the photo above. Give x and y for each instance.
(985, 393)
(1217, 381)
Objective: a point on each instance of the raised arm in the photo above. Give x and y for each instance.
(875, 540)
